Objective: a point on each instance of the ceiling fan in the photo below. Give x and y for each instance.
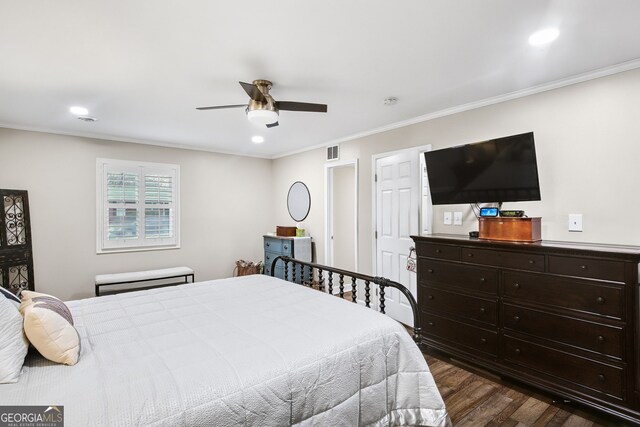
(263, 109)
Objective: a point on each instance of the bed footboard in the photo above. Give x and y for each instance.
(293, 267)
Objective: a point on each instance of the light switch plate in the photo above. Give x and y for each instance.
(457, 218)
(575, 222)
(447, 218)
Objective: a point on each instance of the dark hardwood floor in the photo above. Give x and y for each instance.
(477, 399)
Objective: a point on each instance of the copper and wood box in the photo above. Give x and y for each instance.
(285, 231)
(510, 229)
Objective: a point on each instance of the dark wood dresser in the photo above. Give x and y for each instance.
(562, 317)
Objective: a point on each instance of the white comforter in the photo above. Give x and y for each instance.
(245, 351)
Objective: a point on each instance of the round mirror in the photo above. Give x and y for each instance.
(298, 201)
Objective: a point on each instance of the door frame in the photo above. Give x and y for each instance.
(328, 203)
(374, 200)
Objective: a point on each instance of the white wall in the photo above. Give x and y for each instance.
(223, 215)
(587, 141)
(588, 146)
(344, 210)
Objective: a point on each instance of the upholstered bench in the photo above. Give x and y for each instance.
(152, 276)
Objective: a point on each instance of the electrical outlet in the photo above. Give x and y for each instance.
(447, 218)
(457, 218)
(575, 222)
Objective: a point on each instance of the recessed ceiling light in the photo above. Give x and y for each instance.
(257, 139)
(543, 37)
(79, 111)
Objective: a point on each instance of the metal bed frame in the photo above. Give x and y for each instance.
(328, 286)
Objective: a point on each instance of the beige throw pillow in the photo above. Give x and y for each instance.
(26, 298)
(48, 325)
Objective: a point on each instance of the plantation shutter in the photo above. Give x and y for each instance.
(139, 205)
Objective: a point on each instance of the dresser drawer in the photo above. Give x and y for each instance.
(269, 257)
(436, 300)
(517, 260)
(460, 335)
(580, 295)
(273, 245)
(287, 247)
(433, 250)
(279, 271)
(463, 276)
(584, 267)
(592, 336)
(584, 372)
(278, 246)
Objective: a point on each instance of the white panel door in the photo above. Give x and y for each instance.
(397, 218)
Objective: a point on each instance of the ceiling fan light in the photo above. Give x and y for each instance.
(262, 117)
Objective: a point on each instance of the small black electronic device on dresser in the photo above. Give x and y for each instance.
(559, 316)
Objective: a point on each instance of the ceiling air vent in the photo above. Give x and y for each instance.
(333, 153)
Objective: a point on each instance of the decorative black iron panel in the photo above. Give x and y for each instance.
(16, 256)
(18, 278)
(14, 220)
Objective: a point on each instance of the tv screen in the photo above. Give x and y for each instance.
(498, 170)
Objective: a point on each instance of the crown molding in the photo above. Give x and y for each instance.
(129, 140)
(580, 78)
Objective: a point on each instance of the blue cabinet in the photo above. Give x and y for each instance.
(294, 247)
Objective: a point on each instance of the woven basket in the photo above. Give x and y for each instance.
(244, 268)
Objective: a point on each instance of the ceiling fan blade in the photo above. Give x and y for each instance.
(272, 125)
(301, 106)
(253, 92)
(218, 107)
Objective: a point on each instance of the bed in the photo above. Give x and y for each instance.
(252, 350)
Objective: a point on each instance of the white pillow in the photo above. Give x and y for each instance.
(10, 296)
(13, 344)
(49, 326)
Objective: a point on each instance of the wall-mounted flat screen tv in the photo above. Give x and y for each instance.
(498, 170)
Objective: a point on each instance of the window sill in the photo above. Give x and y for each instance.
(137, 249)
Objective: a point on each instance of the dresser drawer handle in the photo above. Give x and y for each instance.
(438, 251)
(516, 285)
(430, 296)
(268, 245)
(601, 377)
(483, 310)
(600, 300)
(430, 270)
(584, 267)
(430, 323)
(483, 340)
(285, 247)
(516, 318)
(517, 351)
(531, 261)
(470, 255)
(600, 338)
(482, 279)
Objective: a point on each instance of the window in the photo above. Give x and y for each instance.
(137, 205)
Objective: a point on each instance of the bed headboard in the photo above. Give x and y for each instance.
(16, 255)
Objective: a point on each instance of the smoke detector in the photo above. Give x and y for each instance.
(391, 100)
